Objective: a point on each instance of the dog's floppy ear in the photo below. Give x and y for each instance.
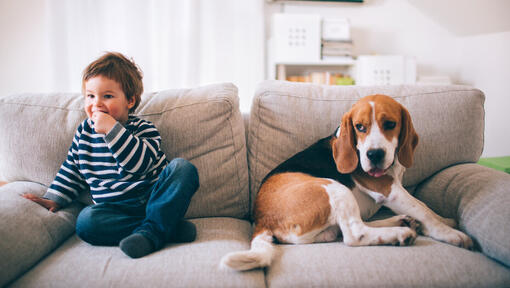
(407, 140)
(344, 147)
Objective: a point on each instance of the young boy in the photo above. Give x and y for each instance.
(140, 198)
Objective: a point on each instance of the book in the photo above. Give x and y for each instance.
(323, 78)
(337, 48)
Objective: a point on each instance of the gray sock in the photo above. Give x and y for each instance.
(185, 232)
(136, 245)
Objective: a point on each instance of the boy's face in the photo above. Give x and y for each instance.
(105, 95)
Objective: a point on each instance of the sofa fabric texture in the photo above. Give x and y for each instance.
(177, 265)
(427, 263)
(233, 152)
(29, 233)
(479, 198)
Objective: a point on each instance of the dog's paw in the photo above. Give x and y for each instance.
(460, 239)
(454, 237)
(408, 221)
(405, 237)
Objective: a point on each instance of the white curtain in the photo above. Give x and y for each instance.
(177, 43)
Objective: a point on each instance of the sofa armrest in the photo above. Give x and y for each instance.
(29, 231)
(479, 199)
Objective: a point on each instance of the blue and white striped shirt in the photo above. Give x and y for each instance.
(123, 164)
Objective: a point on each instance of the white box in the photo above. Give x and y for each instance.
(296, 38)
(385, 70)
(336, 29)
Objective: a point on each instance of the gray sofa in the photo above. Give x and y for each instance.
(233, 153)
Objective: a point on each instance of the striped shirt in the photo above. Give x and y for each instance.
(123, 164)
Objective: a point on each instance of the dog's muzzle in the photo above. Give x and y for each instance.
(376, 157)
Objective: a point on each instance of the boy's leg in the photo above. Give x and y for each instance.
(169, 202)
(106, 224)
(185, 232)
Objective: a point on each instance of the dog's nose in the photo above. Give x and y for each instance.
(375, 155)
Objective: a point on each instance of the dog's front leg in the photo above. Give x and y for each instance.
(433, 225)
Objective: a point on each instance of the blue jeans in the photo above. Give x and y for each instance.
(156, 218)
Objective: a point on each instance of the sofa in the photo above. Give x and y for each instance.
(233, 152)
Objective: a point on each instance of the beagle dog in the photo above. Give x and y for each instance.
(314, 195)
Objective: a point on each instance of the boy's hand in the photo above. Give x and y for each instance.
(103, 122)
(46, 203)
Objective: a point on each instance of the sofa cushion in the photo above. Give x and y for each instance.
(203, 125)
(427, 263)
(29, 231)
(479, 198)
(177, 265)
(287, 117)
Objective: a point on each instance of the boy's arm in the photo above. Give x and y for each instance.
(69, 182)
(136, 153)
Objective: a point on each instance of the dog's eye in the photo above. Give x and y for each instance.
(361, 128)
(389, 125)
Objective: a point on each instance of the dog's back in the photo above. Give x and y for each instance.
(316, 160)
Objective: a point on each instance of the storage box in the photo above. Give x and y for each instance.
(336, 29)
(385, 70)
(296, 38)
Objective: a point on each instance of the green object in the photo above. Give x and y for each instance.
(344, 81)
(498, 163)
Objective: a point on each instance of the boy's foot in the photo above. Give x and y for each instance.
(185, 232)
(136, 245)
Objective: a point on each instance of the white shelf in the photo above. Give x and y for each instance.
(278, 69)
(339, 62)
(295, 46)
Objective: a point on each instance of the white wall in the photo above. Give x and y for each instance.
(441, 43)
(484, 62)
(45, 44)
(24, 49)
(444, 42)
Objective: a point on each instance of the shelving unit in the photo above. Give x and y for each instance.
(280, 70)
(296, 49)
(300, 45)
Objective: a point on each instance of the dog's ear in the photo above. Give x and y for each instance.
(407, 140)
(344, 147)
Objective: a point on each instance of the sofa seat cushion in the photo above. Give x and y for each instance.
(203, 125)
(28, 231)
(427, 263)
(195, 264)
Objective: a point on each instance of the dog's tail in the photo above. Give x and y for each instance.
(260, 255)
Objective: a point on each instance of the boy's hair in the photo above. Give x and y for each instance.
(117, 67)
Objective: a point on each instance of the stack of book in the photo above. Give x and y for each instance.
(336, 39)
(332, 50)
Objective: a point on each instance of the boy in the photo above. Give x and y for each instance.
(140, 198)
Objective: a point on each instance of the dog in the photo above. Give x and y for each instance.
(311, 197)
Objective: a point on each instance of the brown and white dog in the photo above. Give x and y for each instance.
(312, 196)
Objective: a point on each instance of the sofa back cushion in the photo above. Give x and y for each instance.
(203, 125)
(288, 117)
